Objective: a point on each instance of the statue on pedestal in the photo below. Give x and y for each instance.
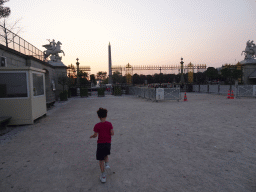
(249, 63)
(250, 50)
(53, 49)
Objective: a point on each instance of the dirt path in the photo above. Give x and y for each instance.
(205, 144)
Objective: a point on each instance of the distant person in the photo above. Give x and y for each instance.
(105, 131)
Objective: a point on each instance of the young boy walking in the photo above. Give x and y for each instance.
(105, 131)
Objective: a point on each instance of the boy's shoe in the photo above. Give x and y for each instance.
(107, 166)
(103, 178)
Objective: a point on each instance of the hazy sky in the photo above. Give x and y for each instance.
(141, 32)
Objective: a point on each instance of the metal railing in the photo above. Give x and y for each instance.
(13, 41)
(151, 93)
(246, 91)
(172, 94)
(238, 91)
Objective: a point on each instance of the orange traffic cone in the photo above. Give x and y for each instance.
(232, 95)
(185, 97)
(228, 94)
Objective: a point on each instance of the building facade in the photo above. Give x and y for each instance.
(27, 85)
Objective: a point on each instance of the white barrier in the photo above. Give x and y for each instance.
(172, 94)
(246, 91)
(204, 88)
(150, 93)
(196, 88)
(213, 88)
(224, 89)
(160, 94)
(239, 91)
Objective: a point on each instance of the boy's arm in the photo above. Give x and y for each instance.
(111, 132)
(94, 135)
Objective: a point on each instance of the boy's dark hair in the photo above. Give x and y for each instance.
(102, 113)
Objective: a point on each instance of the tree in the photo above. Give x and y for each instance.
(63, 80)
(127, 79)
(156, 78)
(236, 74)
(142, 79)
(84, 82)
(82, 74)
(70, 82)
(4, 11)
(93, 80)
(177, 78)
(83, 78)
(200, 77)
(149, 79)
(71, 71)
(226, 74)
(170, 78)
(9, 29)
(211, 73)
(136, 79)
(101, 75)
(117, 77)
(105, 81)
(231, 73)
(186, 77)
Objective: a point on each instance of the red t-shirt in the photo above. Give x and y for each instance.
(103, 129)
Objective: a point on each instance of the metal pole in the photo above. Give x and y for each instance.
(182, 77)
(24, 47)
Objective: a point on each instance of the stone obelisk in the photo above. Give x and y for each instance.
(109, 65)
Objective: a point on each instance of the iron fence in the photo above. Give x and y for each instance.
(13, 41)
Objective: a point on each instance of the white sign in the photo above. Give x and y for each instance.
(159, 94)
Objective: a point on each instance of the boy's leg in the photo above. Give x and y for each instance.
(102, 167)
(106, 159)
(103, 174)
(106, 163)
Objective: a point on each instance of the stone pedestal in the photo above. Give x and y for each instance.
(60, 70)
(56, 64)
(249, 71)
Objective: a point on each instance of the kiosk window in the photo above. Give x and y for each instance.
(13, 85)
(38, 84)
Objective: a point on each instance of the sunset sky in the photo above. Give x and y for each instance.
(141, 32)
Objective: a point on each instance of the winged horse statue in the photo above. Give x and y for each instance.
(53, 49)
(250, 50)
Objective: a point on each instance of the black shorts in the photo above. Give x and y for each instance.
(103, 149)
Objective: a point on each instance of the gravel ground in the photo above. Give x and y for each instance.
(204, 144)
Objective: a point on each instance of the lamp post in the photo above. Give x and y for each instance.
(181, 67)
(77, 73)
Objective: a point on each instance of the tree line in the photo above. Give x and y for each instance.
(227, 75)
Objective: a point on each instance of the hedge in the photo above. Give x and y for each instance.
(101, 92)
